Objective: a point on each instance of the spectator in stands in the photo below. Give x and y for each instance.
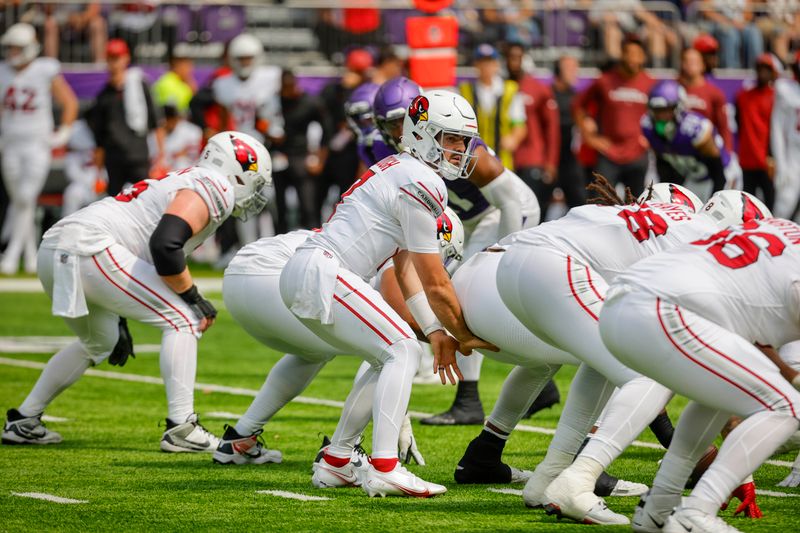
(388, 65)
(702, 96)
(133, 21)
(511, 21)
(780, 26)
(618, 17)
(536, 158)
(570, 178)
(342, 162)
(620, 97)
(498, 104)
(122, 117)
(176, 86)
(733, 25)
(72, 25)
(709, 49)
(304, 144)
(753, 112)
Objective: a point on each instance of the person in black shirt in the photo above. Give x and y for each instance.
(122, 116)
(570, 177)
(307, 129)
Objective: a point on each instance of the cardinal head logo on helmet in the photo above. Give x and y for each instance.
(245, 155)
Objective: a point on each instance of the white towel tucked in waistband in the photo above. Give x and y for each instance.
(68, 298)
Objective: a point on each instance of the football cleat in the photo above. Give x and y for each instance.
(572, 496)
(189, 437)
(685, 520)
(327, 476)
(533, 493)
(399, 482)
(467, 409)
(547, 398)
(652, 512)
(628, 488)
(238, 450)
(20, 429)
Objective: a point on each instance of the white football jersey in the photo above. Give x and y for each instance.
(131, 217)
(611, 238)
(785, 130)
(182, 145)
(267, 256)
(27, 100)
(392, 207)
(745, 278)
(251, 99)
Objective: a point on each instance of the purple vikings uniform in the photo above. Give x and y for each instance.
(372, 148)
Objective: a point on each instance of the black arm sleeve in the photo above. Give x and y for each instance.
(666, 172)
(716, 172)
(166, 245)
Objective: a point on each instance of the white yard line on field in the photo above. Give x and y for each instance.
(32, 285)
(222, 415)
(293, 495)
(512, 492)
(776, 494)
(48, 418)
(52, 344)
(238, 391)
(46, 497)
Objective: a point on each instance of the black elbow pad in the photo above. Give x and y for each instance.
(166, 245)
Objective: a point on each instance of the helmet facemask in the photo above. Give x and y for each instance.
(438, 156)
(250, 199)
(390, 126)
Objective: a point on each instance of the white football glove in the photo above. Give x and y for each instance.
(60, 137)
(407, 444)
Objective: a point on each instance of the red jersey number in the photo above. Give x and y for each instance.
(356, 184)
(742, 248)
(25, 103)
(133, 192)
(644, 222)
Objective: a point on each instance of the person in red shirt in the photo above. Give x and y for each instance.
(702, 95)
(621, 99)
(536, 158)
(753, 112)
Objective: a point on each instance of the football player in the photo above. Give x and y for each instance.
(323, 284)
(709, 324)
(785, 143)
(28, 84)
(574, 257)
(361, 118)
(124, 257)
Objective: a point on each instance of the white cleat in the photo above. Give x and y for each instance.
(571, 496)
(653, 511)
(327, 476)
(239, 450)
(520, 476)
(685, 520)
(20, 429)
(533, 493)
(399, 482)
(792, 480)
(628, 488)
(189, 437)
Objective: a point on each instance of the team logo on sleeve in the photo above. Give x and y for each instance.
(245, 155)
(444, 227)
(750, 210)
(418, 110)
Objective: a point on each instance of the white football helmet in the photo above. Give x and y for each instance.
(730, 208)
(433, 114)
(450, 234)
(672, 193)
(22, 36)
(247, 165)
(242, 46)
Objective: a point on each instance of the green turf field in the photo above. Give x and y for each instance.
(110, 456)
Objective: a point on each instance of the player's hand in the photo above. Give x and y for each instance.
(476, 343)
(407, 444)
(746, 493)
(60, 137)
(202, 308)
(444, 356)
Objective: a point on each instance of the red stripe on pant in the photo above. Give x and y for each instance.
(151, 291)
(97, 264)
(375, 307)
(574, 293)
(591, 284)
(681, 350)
(362, 319)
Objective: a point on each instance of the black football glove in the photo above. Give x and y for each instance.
(201, 307)
(124, 347)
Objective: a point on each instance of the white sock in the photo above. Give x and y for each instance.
(287, 379)
(745, 449)
(392, 393)
(587, 396)
(61, 371)
(470, 365)
(356, 414)
(696, 430)
(520, 389)
(178, 363)
(554, 462)
(627, 414)
(22, 222)
(363, 369)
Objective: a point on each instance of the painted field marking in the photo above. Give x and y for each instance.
(512, 492)
(46, 497)
(48, 418)
(51, 344)
(221, 415)
(776, 494)
(33, 285)
(239, 391)
(293, 495)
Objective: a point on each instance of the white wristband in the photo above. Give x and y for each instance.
(423, 314)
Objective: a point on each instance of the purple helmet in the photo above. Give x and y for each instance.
(665, 94)
(358, 109)
(390, 106)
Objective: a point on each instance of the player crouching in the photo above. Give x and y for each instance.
(124, 257)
